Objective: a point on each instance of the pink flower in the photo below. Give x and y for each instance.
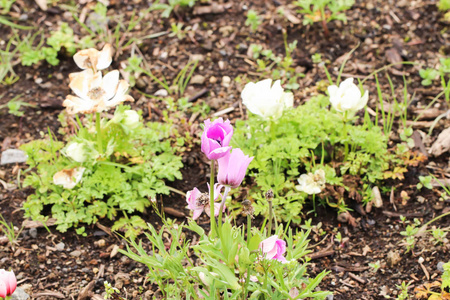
(8, 283)
(232, 168)
(273, 248)
(198, 201)
(216, 137)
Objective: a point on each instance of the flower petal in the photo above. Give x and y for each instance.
(104, 57)
(110, 84)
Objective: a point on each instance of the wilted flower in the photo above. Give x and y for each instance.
(77, 152)
(199, 202)
(265, 100)
(311, 183)
(93, 59)
(68, 178)
(8, 283)
(232, 168)
(273, 248)
(94, 92)
(347, 97)
(216, 137)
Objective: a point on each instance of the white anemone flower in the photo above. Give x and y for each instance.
(312, 183)
(68, 178)
(347, 97)
(266, 100)
(95, 93)
(93, 59)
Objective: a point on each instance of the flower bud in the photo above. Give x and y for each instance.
(77, 152)
(131, 119)
(8, 283)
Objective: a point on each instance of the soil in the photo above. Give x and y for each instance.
(53, 265)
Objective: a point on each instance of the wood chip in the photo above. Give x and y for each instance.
(37, 224)
(85, 293)
(442, 143)
(49, 294)
(173, 212)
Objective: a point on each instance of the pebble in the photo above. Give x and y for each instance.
(226, 81)
(100, 243)
(114, 251)
(19, 294)
(212, 79)
(161, 93)
(60, 246)
(199, 57)
(440, 266)
(330, 297)
(33, 232)
(198, 79)
(12, 156)
(75, 253)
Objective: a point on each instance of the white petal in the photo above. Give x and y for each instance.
(104, 57)
(78, 105)
(363, 102)
(80, 82)
(120, 95)
(332, 90)
(86, 59)
(110, 84)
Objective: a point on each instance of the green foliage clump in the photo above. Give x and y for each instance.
(305, 139)
(169, 7)
(63, 38)
(314, 10)
(228, 265)
(444, 5)
(121, 180)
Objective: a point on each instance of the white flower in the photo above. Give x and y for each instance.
(68, 178)
(131, 118)
(94, 92)
(311, 183)
(77, 152)
(347, 97)
(93, 59)
(265, 100)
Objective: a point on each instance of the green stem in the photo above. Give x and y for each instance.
(249, 231)
(222, 204)
(99, 132)
(211, 196)
(244, 296)
(345, 136)
(269, 226)
(437, 218)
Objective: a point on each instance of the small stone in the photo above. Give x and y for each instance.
(198, 57)
(12, 156)
(198, 79)
(330, 297)
(212, 79)
(19, 294)
(420, 199)
(75, 253)
(377, 200)
(221, 65)
(38, 80)
(226, 81)
(33, 232)
(440, 266)
(60, 246)
(421, 260)
(114, 251)
(101, 243)
(161, 93)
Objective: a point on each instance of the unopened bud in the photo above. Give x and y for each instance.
(247, 208)
(269, 195)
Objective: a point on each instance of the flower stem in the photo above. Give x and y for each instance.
(269, 227)
(345, 136)
(249, 231)
(99, 132)
(222, 204)
(211, 196)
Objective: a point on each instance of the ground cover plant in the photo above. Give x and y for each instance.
(224, 149)
(120, 162)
